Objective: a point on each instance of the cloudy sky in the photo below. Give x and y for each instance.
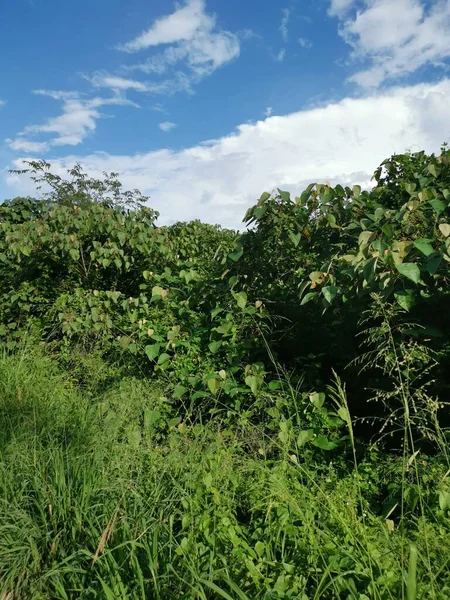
(205, 104)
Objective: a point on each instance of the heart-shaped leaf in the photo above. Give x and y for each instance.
(409, 270)
(152, 351)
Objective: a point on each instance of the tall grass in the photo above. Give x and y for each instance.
(110, 496)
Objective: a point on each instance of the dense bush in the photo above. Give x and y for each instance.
(194, 412)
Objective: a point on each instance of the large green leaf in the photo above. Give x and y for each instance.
(329, 293)
(241, 299)
(152, 351)
(295, 238)
(409, 270)
(305, 436)
(215, 346)
(163, 358)
(323, 443)
(405, 298)
(317, 399)
(424, 246)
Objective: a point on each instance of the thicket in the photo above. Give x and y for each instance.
(194, 412)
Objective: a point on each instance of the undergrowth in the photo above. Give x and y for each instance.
(112, 496)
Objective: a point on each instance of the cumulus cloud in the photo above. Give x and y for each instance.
(394, 38)
(339, 8)
(341, 142)
(167, 126)
(77, 120)
(23, 145)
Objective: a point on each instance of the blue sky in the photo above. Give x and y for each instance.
(204, 104)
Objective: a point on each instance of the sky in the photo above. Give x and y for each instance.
(205, 104)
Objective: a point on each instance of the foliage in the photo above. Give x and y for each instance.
(191, 412)
(112, 496)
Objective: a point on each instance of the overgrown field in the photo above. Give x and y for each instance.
(191, 412)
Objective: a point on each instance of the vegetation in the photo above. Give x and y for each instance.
(191, 412)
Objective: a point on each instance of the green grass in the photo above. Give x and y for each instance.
(103, 496)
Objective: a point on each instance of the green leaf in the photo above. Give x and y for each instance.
(438, 205)
(388, 230)
(444, 500)
(316, 276)
(409, 270)
(332, 220)
(241, 299)
(424, 246)
(163, 358)
(295, 238)
(365, 237)
(199, 394)
(285, 196)
(214, 385)
(252, 382)
(215, 346)
(343, 414)
(369, 269)
(329, 293)
(317, 399)
(152, 351)
(405, 299)
(433, 264)
(433, 170)
(307, 298)
(124, 342)
(323, 443)
(235, 256)
(179, 391)
(275, 385)
(379, 213)
(159, 292)
(259, 212)
(259, 548)
(151, 417)
(305, 436)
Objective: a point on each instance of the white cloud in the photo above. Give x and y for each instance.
(281, 55)
(193, 41)
(338, 8)
(283, 29)
(304, 42)
(268, 111)
(343, 142)
(397, 38)
(116, 83)
(22, 145)
(2, 103)
(77, 121)
(158, 107)
(179, 26)
(167, 126)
